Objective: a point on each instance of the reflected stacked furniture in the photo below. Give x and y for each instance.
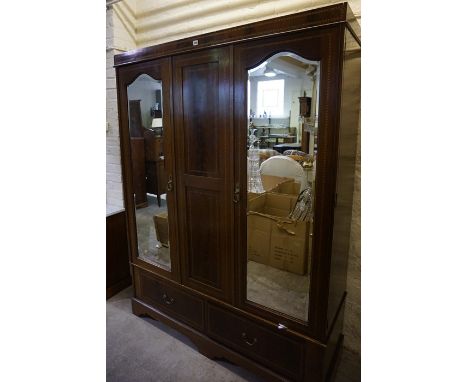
(154, 162)
(138, 153)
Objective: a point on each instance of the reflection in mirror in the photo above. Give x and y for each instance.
(149, 177)
(283, 121)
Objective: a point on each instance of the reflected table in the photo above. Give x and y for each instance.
(282, 147)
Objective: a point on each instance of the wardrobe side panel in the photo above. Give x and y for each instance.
(349, 123)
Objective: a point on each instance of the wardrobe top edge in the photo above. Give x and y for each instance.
(332, 14)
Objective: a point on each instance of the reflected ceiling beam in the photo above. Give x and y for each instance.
(285, 67)
(281, 66)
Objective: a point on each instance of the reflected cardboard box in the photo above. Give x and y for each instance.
(288, 187)
(273, 183)
(274, 239)
(161, 226)
(270, 181)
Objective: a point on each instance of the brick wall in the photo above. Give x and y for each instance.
(119, 39)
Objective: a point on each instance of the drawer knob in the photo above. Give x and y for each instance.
(282, 327)
(168, 300)
(247, 341)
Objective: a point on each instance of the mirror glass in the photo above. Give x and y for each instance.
(281, 150)
(149, 179)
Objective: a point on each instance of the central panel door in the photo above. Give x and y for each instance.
(203, 127)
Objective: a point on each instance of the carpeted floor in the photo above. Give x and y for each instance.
(144, 350)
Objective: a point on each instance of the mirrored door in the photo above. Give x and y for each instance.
(150, 180)
(145, 114)
(282, 114)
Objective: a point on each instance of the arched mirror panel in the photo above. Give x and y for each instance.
(282, 106)
(149, 180)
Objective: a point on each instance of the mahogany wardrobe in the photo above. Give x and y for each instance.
(253, 131)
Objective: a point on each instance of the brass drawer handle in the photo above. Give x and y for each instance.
(168, 300)
(247, 341)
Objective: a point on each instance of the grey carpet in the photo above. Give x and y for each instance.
(141, 349)
(144, 350)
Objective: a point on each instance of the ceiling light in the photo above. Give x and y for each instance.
(269, 73)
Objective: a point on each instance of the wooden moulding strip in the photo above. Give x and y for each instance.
(314, 18)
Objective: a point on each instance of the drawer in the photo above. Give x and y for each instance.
(170, 300)
(280, 352)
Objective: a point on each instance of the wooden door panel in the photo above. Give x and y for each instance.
(204, 236)
(203, 123)
(200, 96)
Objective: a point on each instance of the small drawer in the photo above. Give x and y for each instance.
(278, 351)
(177, 303)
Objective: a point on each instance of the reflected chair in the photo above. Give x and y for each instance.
(284, 166)
(264, 154)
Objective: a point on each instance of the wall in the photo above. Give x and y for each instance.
(147, 22)
(144, 89)
(119, 28)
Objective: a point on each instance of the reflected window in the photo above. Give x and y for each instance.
(270, 97)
